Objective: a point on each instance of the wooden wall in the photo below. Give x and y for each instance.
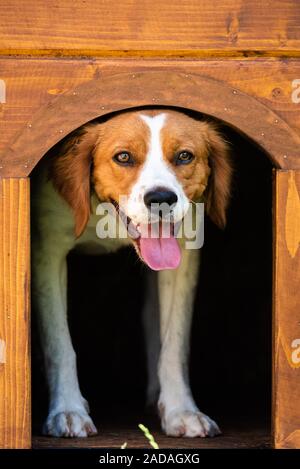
(15, 379)
(32, 83)
(150, 27)
(286, 304)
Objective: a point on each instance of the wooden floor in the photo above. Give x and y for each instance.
(113, 436)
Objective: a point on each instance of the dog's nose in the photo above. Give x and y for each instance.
(160, 196)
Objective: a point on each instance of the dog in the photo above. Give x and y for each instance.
(150, 156)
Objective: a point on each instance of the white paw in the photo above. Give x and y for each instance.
(69, 424)
(189, 424)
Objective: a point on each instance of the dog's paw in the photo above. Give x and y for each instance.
(69, 424)
(191, 424)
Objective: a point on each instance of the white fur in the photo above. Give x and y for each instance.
(179, 413)
(155, 173)
(53, 238)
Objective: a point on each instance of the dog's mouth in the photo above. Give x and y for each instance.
(155, 242)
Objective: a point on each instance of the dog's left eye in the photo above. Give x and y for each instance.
(183, 157)
(124, 158)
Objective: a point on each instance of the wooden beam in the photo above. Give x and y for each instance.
(150, 28)
(15, 387)
(286, 344)
(98, 97)
(32, 83)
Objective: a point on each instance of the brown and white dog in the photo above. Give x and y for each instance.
(149, 156)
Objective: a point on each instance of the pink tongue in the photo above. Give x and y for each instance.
(160, 253)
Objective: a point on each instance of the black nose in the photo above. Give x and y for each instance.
(160, 196)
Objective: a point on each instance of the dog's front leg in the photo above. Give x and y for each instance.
(179, 413)
(152, 336)
(68, 410)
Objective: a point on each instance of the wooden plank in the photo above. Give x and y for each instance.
(286, 345)
(33, 83)
(176, 27)
(15, 392)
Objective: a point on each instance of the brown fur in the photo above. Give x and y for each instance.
(184, 133)
(218, 189)
(86, 158)
(71, 170)
(210, 172)
(124, 132)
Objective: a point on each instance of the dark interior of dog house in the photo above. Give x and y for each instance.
(230, 360)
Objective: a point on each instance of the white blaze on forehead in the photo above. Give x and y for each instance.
(155, 125)
(155, 173)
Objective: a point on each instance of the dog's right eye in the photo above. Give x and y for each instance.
(124, 158)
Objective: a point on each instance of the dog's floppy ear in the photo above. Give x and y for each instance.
(70, 172)
(218, 190)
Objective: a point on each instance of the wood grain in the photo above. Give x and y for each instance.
(155, 27)
(286, 346)
(32, 83)
(292, 217)
(15, 402)
(98, 97)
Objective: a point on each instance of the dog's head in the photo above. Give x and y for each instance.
(151, 157)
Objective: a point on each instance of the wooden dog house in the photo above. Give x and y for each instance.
(68, 63)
